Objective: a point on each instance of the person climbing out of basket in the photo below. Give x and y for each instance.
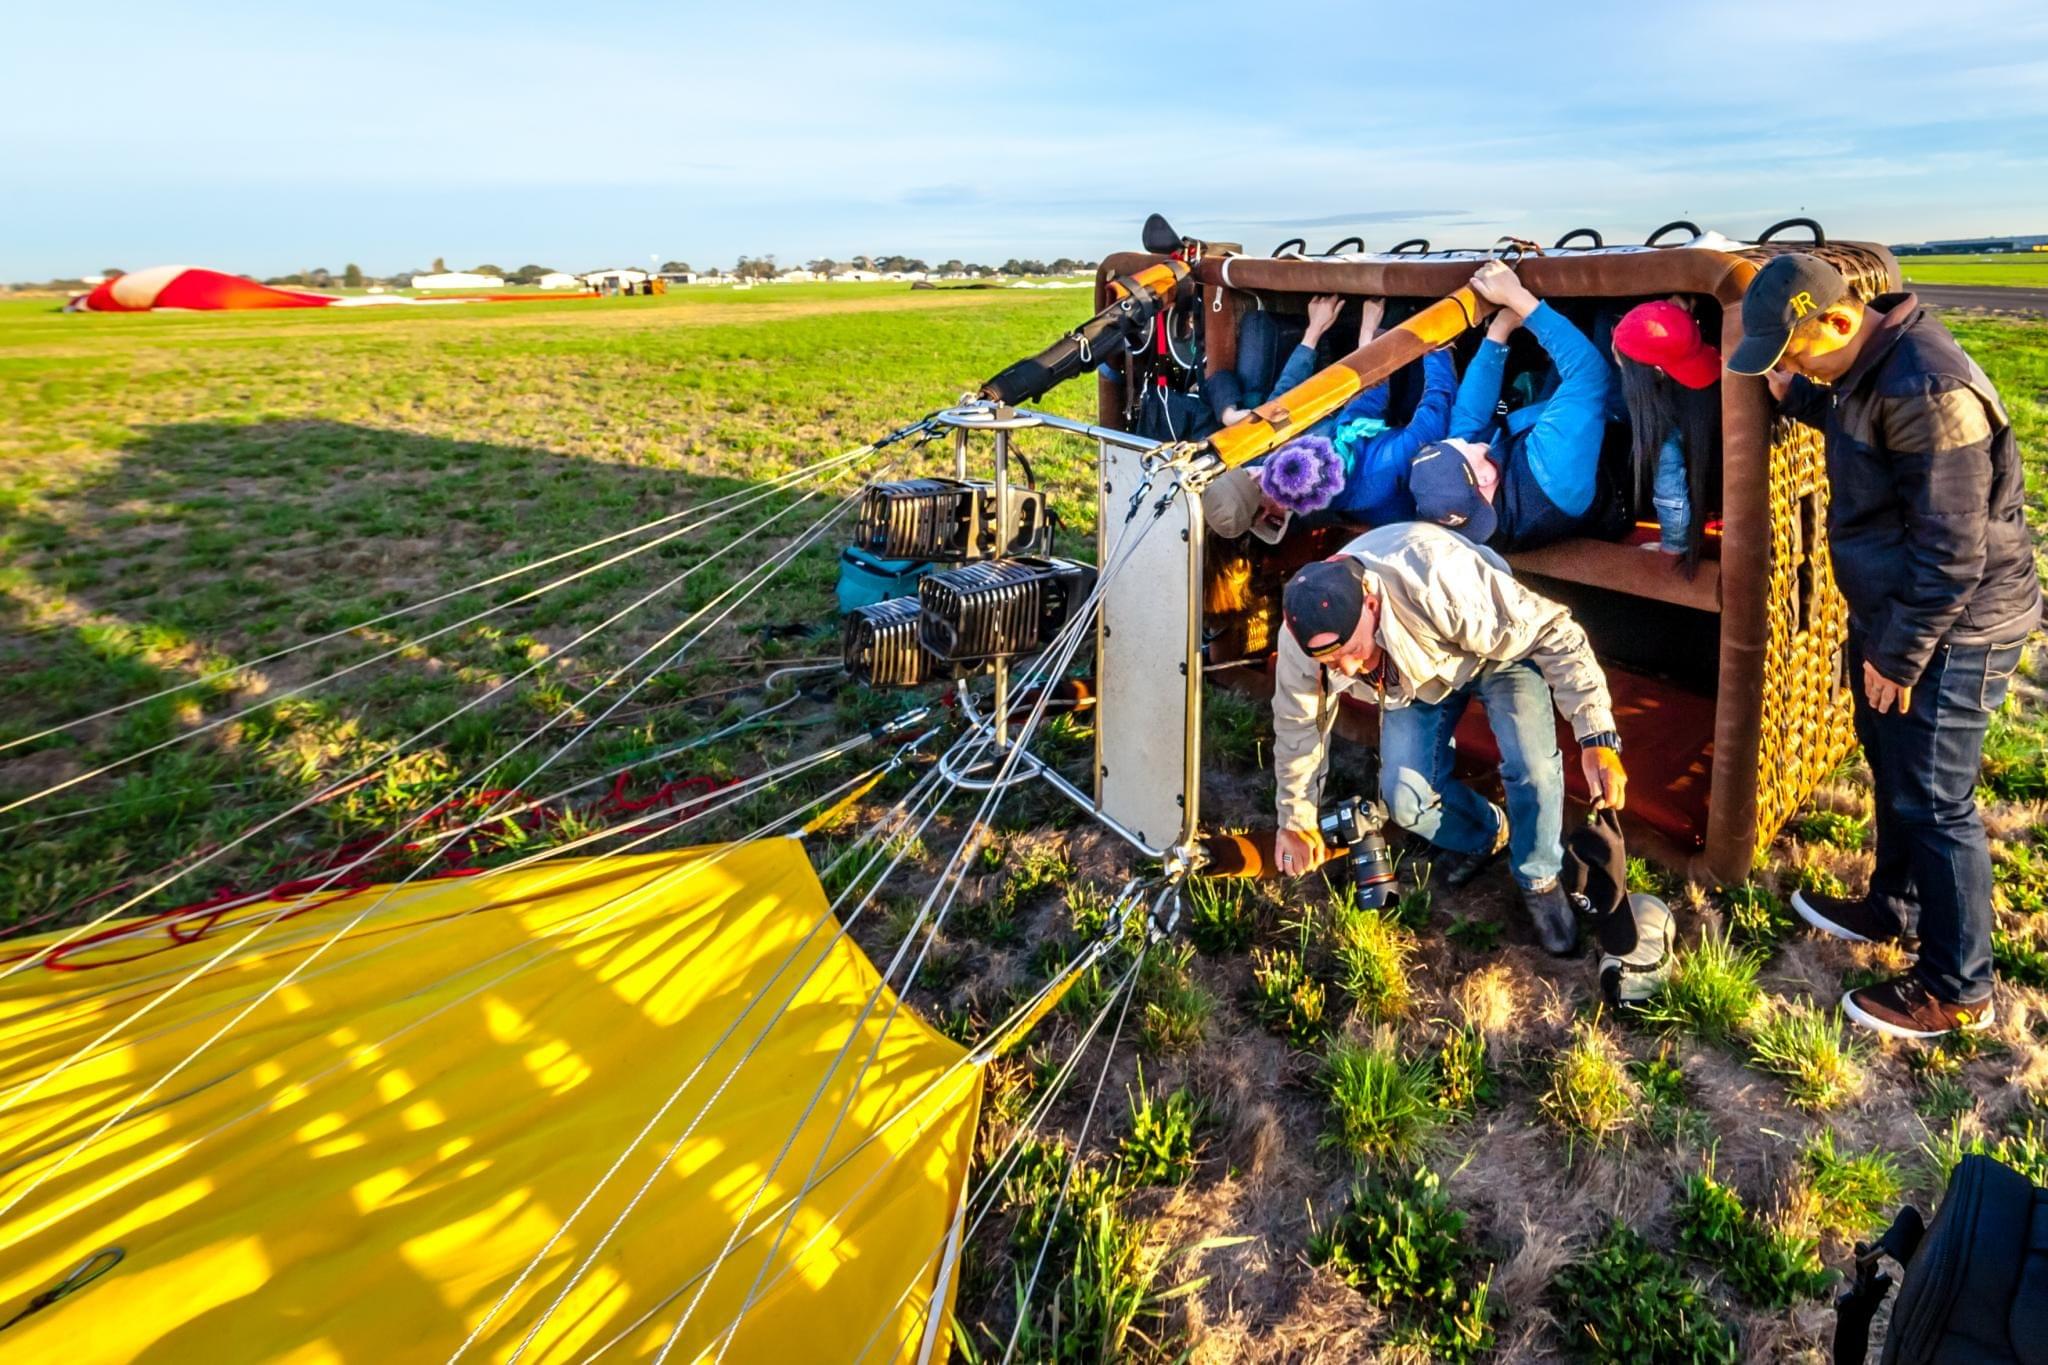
(1420, 621)
(1670, 384)
(1546, 451)
(1354, 464)
(1930, 545)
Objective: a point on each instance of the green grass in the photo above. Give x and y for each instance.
(1373, 961)
(1401, 1243)
(1160, 1145)
(1809, 1049)
(1222, 915)
(1854, 1195)
(1625, 1303)
(2013, 270)
(1770, 1265)
(180, 493)
(1592, 1097)
(1711, 993)
(1176, 1007)
(2025, 1150)
(1285, 996)
(1382, 1106)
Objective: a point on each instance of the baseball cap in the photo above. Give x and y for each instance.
(1231, 503)
(1441, 483)
(1663, 334)
(1787, 291)
(1324, 598)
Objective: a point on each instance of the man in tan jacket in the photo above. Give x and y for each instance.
(1419, 620)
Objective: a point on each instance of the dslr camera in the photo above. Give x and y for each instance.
(1354, 830)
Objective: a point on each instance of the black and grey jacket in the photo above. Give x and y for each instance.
(1925, 511)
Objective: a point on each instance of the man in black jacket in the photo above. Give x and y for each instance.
(1932, 551)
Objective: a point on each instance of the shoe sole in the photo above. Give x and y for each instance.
(1822, 922)
(1891, 1030)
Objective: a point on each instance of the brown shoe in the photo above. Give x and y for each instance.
(1860, 920)
(1903, 1007)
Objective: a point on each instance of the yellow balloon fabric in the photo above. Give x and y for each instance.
(362, 1168)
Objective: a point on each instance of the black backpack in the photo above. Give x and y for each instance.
(1976, 1287)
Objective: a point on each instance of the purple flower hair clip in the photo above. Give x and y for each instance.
(1305, 475)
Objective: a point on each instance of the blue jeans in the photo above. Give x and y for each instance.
(1672, 497)
(1933, 863)
(1417, 754)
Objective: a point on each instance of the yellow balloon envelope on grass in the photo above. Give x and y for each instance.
(362, 1168)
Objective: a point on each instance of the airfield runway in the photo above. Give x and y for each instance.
(1990, 298)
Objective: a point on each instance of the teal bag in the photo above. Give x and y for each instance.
(866, 579)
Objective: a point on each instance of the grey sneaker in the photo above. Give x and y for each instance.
(1551, 910)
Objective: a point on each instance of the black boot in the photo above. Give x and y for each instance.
(1556, 927)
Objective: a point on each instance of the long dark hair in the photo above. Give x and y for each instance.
(1658, 405)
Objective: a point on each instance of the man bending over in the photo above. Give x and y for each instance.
(1419, 621)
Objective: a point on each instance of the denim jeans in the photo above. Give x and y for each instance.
(1933, 863)
(1417, 754)
(1672, 497)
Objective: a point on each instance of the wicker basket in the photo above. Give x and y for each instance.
(1781, 710)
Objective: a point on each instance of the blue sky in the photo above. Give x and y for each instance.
(254, 139)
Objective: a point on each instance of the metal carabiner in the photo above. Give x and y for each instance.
(82, 1274)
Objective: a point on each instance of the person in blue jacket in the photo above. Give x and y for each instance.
(1547, 450)
(1375, 455)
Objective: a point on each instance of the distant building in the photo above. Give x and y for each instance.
(559, 279)
(458, 279)
(677, 276)
(862, 276)
(797, 275)
(1973, 246)
(617, 281)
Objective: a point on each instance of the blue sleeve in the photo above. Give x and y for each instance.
(1370, 402)
(1376, 472)
(1563, 445)
(1575, 357)
(1301, 363)
(1479, 392)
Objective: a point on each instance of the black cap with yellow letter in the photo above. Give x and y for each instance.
(1787, 291)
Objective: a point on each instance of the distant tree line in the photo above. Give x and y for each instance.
(886, 265)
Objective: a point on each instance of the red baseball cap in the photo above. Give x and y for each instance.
(1662, 334)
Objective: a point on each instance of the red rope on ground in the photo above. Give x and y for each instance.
(355, 867)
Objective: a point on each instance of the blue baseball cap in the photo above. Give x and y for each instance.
(1441, 483)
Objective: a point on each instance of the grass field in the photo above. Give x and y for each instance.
(1400, 1137)
(2014, 270)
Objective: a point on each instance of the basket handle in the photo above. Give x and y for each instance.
(1337, 246)
(1299, 244)
(1421, 245)
(1820, 238)
(1686, 223)
(1594, 233)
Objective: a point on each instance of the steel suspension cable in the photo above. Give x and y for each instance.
(29, 1087)
(1067, 1184)
(941, 791)
(182, 737)
(809, 471)
(1074, 633)
(618, 905)
(975, 1057)
(623, 903)
(387, 758)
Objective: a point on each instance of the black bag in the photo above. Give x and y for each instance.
(1976, 1287)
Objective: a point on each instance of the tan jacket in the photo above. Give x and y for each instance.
(1448, 608)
